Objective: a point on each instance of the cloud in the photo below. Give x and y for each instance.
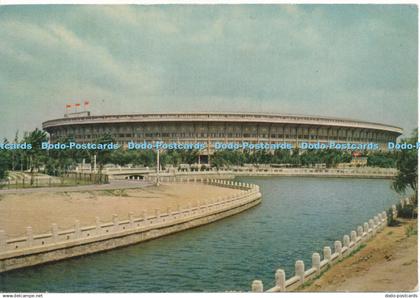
(335, 60)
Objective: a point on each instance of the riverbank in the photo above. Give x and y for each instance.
(388, 263)
(174, 263)
(57, 244)
(361, 172)
(40, 209)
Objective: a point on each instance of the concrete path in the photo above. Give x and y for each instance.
(114, 184)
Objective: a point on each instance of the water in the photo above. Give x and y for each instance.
(298, 216)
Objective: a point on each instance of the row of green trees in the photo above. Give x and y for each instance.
(57, 162)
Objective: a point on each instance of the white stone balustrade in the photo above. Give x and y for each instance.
(341, 249)
(248, 194)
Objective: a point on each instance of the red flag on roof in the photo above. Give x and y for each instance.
(86, 102)
(77, 104)
(68, 106)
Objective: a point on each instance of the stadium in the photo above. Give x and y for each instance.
(210, 128)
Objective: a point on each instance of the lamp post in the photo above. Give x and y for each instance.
(157, 167)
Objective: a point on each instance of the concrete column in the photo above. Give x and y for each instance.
(316, 262)
(257, 286)
(300, 270)
(327, 253)
(353, 236)
(98, 225)
(77, 230)
(338, 248)
(2, 240)
(407, 201)
(346, 240)
(359, 231)
(281, 280)
(54, 232)
(131, 219)
(402, 202)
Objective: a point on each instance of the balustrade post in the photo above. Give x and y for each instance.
(394, 211)
(327, 253)
(131, 219)
(281, 280)
(115, 222)
(366, 229)
(257, 286)
(77, 230)
(376, 220)
(316, 262)
(54, 232)
(346, 241)
(300, 270)
(380, 221)
(97, 225)
(2, 240)
(360, 231)
(353, 236)
(371, 227)
(338, 248)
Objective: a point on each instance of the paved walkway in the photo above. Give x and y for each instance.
(114, 184)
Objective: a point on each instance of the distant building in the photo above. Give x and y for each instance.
(220, 127)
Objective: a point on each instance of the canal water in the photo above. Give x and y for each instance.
(297, 217)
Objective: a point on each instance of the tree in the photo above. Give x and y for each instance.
(102, 156)
(36, 154)
(407, 168)
(4, 164)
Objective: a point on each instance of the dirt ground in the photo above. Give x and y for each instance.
(388, 263)
(39, 210)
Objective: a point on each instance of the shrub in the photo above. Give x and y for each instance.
(408, 211)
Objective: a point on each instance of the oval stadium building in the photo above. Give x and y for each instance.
(209, 128)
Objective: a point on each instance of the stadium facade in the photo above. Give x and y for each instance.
(210, 128)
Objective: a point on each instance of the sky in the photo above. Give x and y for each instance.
(350, 61)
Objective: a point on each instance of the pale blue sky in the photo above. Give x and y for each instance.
(352, 61)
